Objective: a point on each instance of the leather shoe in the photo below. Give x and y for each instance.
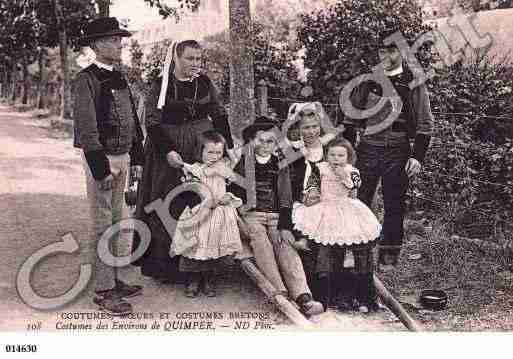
(192, 290)
(308, 306)
(126, 290)
(209, 287)
(114, 306)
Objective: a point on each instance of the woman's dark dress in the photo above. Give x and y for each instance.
(190, 109)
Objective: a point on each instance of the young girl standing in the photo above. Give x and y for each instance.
(209, 231)
(339, 219)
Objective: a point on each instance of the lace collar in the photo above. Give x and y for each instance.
(101, 65)
(262, 160)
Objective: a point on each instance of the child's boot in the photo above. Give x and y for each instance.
(322, 290)
(345, 287)
(193, 287)
(365, 288)
(209, 284)
(366, 293)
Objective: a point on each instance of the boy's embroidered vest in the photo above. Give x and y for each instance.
(116, 115)
(266, 178)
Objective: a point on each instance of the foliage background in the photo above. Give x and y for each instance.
(468, 175)
(339, 41)
(469, 166)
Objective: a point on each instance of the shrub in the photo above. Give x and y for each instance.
(471, 160)
(143, 70)
(469, 166)
(340, 41)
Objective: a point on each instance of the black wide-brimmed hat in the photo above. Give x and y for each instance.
(102, 27)
(389, 31)
(385, 33)
(262, 123)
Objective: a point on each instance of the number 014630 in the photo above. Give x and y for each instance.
(17, 348)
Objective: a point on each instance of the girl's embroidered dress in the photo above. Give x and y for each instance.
(204, 232)
(337, 218)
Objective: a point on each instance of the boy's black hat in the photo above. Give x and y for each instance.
(383, 34)
(262, 123)
(377, 40)
(102, 27)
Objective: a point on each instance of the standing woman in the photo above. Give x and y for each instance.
(182, 104)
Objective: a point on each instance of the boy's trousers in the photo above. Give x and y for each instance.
(387, 163)
(276, 259)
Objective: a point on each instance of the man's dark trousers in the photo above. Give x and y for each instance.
(387, 163)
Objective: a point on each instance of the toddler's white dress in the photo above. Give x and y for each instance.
(204, 232)
(337, 218)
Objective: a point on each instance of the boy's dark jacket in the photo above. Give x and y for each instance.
(416, 110)
(273, 190)
(102, 125)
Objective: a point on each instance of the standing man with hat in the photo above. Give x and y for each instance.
(386, 153)
(107, 129)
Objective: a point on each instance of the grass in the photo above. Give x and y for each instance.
(479, 286)
(478, 282)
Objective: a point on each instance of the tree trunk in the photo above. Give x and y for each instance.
(2, 83)
(242, 81)
(41, 80)
(26, 84)
(14, 78)
(63, 48)
(103, 8)
(7, 82)
(476, 5)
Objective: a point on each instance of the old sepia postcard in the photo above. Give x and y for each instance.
(249, 166)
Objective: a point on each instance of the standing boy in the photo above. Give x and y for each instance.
(387, 154)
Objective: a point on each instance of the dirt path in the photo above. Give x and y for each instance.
(42, 198)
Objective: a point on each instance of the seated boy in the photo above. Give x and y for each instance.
(268, 217)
